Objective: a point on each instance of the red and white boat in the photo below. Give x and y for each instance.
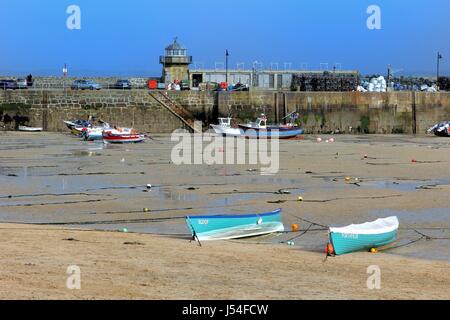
(119, 135)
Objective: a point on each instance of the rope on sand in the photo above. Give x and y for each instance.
(403, 245)
(313, 223)
(298, 236)
(80, 223)
(428, 238)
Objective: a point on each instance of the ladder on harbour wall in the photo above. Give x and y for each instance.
(179, 111)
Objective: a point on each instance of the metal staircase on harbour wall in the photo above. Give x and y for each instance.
(176, 109)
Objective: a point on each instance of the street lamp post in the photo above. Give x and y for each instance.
(65, 72)
(255, 74)
(439, 57)
(227, 54)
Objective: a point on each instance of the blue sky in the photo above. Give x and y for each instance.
(127, 37)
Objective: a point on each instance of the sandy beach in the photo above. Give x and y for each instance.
(62, 203)
(133, 266)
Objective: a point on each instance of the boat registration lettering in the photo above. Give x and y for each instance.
(203, 222)
(349, 236)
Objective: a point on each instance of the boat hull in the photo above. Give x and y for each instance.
(271, 132)
(93, 136)
(348, 243)
(119, 139)
(441, 129)
(360, 237)
(29, 129)
(70, 124)
(77, 131)
(443, 132)
(226, 131)
(225, 227)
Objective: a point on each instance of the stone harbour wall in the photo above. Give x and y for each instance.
(320, 112)
(48, 109)
(349, 112)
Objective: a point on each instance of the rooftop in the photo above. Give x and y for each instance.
(175, 46)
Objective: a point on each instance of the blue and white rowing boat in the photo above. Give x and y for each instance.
(360, 237)
(224, 227)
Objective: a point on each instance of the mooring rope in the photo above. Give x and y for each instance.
(403, 245)
(298, 236)
(427, 237)
(107, 222)
(313, 223)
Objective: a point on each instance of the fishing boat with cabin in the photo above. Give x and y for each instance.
(224, 128)
(257, 129)
(260, 129)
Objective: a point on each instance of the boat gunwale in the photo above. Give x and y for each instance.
(272, 128)
(206, 236)
(223, 216)
(380, 230)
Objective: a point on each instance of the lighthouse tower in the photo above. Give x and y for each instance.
(175, 63)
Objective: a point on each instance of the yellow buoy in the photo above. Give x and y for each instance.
(374, 250)
(146, 210)
(348, 179)
(300, 199)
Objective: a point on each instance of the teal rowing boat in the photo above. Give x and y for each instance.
(364, 236)
(224, 227)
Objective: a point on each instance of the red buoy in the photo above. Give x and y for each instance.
(152, 84)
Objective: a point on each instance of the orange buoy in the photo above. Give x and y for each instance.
(295, 227)
(329, 249)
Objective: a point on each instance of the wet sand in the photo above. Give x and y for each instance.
(56, 179)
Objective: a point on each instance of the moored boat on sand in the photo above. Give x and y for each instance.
(70, 124)
(95, 133)
(360, 237)
(29, 129)
(119, 135)
(260, 129)
(441, 129)
(78, 127)
(257, 129)
(224, 128)
(224, 227)
(78, 124)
